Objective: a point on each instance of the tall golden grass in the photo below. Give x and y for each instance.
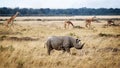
(101, 50)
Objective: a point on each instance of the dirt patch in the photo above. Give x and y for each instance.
(79, 27)
(1, 23)
(11, 48)
(9, 33)
(108, 35)
(3, 37)
(108, 49)
(114, 25)
(23, 39)
(18, 38)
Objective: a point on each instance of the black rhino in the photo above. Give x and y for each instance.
(62, 43)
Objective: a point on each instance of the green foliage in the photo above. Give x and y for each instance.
(73, 34)
(1, 48)
(3, 37)
(10, 48)
(20, 64)
(4, 11)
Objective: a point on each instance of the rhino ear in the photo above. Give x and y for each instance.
(77, 40)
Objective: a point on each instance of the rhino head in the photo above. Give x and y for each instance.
(78, 44)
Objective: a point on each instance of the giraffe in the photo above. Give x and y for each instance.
(11, 20)
(88, 21)
(67, 23)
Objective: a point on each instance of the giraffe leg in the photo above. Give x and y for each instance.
(86, 25)
(65, 25)
(89, 25)
(68, 25)
(12, 24)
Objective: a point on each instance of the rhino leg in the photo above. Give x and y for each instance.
(49, 50)
(49, 47)
(63, 50)
(67, 49)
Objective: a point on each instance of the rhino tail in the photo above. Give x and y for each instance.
(45, 44)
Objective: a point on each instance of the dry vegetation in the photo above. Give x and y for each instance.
(23, 46)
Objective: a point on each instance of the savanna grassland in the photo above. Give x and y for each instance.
(22, 46)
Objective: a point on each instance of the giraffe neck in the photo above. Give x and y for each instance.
(15, 15)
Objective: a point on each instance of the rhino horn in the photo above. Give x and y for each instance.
(80, 47)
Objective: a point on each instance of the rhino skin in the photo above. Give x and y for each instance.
(62, 43)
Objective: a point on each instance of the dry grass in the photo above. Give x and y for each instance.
(101, 50)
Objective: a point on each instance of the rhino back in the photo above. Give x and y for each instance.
(68, 41)
(56, 42)
(65, 41)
